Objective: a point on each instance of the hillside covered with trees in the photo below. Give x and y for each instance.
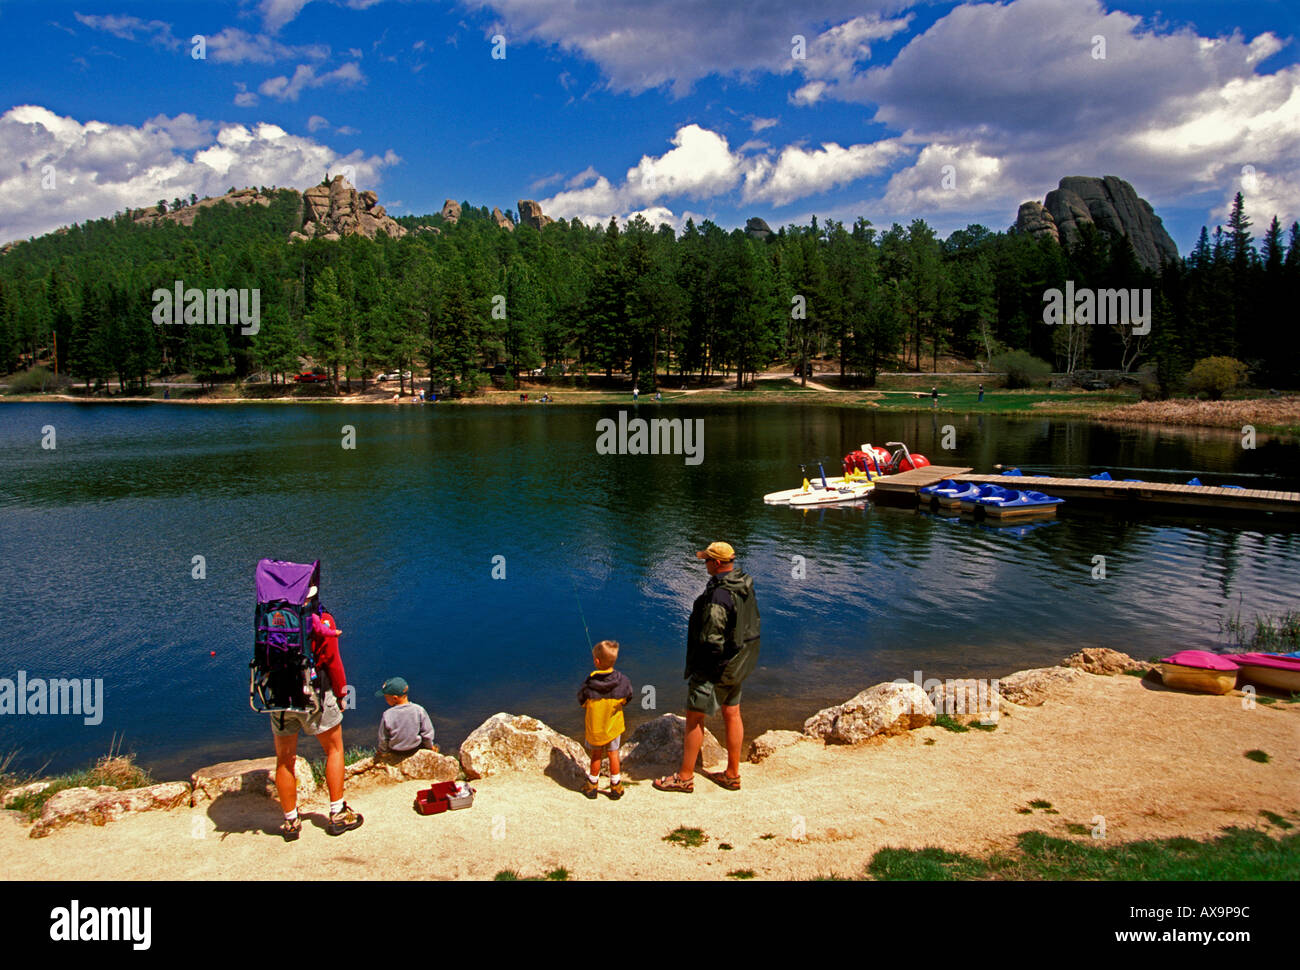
(636, 300)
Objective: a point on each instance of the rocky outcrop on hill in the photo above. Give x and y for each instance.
(882, 710)
(336, 210)
(185, 215)
(500, 219)
(451, 211)
(530, 214)
(1110, 204)
(516, 742)
(757, 228)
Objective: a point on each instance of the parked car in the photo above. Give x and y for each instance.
(311, 377)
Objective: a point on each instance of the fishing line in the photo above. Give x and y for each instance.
(580, 613)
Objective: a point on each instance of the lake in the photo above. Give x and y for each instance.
(99, 538)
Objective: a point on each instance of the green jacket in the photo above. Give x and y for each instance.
(722, 639)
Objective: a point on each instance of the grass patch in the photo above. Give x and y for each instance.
(725, 846)
(769, 835)
(114, 769)
(1134, 673)
(350, 757)
(558, 875)
(681, 835)
(1267, 633)
(929, 865)
(1039, 803)
(980, 726)
(1276, 819)
(1025, 811)
(1075, 828)
(929, 740)
(506, 875)
(1235, 854)
(741, 874)
(1254, 754)
(948, 724)
(510, 875)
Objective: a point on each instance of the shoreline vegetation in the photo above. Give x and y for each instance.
(1269, 414)
(921, 797)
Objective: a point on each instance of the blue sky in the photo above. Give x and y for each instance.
(674, 108)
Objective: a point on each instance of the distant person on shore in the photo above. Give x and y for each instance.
(326, 724)
(405, 728)
(981, 398)
(722, 644)
(636, 392)
(603, 696)
(659, 396)
(934, 398)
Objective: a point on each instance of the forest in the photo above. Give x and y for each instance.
(634, 300)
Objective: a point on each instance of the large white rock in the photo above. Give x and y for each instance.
(423, 765)
(516, 742)
(89, 805)
(252, 776)
(1029, 688)
(770, 742)
(882, 710)
(967, 700)
(34, 788)
(655, 748)
(1103, 660)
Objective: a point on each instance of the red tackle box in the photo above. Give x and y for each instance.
(441, 797)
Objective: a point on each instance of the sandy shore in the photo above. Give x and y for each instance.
(1153, 762)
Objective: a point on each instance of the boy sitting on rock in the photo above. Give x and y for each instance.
(405, 728)
(604, 694)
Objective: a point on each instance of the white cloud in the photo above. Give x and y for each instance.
(305, 78)
(648, 43)
(100, 168)
(235, 46)
(126, 28)
(799, 172)
(701, 165)
(316, 123)
(244, 98)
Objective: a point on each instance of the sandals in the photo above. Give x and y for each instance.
(723, 780)
(291, 830)
(675, 782)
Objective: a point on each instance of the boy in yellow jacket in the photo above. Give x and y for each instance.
(604, 694)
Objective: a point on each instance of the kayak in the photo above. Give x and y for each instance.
(786, 496)
(1270, 670)
(1019, 503)
(1200, 671)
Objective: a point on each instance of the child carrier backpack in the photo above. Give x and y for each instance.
(283, 670)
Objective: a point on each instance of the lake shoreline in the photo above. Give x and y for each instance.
(1182, 773)
(1277, 417)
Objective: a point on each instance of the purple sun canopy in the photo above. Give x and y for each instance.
(288, 581)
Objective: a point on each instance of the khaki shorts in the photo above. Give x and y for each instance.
(601, 749)
(704, 696)
(289, 723)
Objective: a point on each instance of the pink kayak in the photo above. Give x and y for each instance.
(1200, 671)
(1270, 670)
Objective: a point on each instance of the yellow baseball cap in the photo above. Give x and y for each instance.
(719, 551)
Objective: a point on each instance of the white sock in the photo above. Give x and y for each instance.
(290, 816)
(594, 779)
(336, 807)
(615, 779)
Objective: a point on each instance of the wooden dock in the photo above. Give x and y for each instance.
(901, 489)
(1135, 495)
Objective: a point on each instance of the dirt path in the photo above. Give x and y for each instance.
(1152, 762)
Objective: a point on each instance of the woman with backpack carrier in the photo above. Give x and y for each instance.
(326, 723)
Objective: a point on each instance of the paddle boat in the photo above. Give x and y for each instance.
(1275, 670)
(1017, 504)
(847, 488)
(970, 501)
(1200, 671)
(948, 494)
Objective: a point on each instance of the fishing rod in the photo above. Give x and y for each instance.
(580, 613)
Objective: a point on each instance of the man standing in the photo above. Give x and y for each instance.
(721, 651)
(326, 724)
